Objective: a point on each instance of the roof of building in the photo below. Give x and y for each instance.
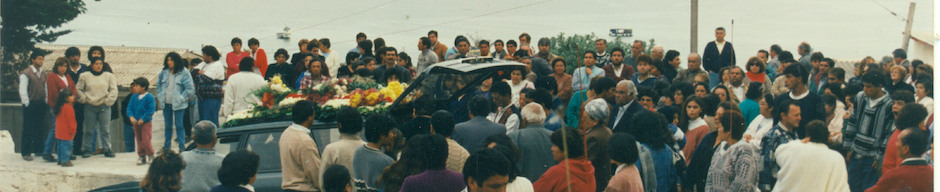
(128, 63)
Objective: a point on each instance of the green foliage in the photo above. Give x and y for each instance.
(27, 22)
(572, 47)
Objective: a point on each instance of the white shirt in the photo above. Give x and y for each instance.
(214, 70)
(517, 88)
(758, 128)
(620, 112)
(697, 122)
(512, 123)
(739, 91)
(875, 101)
(928, 103)
(299, 127)
(798, 97)
(720, 45)
(333, 62)
(24, 85)
(521, 184)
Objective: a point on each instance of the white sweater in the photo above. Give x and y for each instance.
(810, 167)
(238, 92)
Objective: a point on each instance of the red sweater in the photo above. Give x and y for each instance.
(65, 123)
(261, 61)
(914, 175)
(232, 60)
(54, 85)
(891, 158)
(555, 179)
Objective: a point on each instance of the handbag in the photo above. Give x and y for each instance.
(207, 88)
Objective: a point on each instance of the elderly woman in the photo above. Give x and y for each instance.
(240, 88)
(97, 89)
(594, 124)
(898, 74)
(174, 91)
(533, 142)
(562, 79)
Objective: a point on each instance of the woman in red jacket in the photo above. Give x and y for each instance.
(57, 82)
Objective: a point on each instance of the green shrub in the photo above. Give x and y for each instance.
(572, 47)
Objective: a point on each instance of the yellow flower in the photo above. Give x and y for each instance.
(277, 80)
(355, 99)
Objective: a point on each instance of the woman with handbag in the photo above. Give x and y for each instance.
(209, 76)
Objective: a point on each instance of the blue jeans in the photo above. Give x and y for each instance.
(64, 150)
(170, 118)
(861, 175)
(209, 110)
(129, 138)
(713, 79)
(97, 126)
(50, 139)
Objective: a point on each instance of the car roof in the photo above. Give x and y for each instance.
(275, 126)
(471, 64)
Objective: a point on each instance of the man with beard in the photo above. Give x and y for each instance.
(617, 69)
(390, 60)
(738, 83)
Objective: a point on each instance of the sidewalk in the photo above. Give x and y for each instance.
(88, 173)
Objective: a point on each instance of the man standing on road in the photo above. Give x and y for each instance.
(718, 54)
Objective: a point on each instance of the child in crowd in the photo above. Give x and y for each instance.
(65, 126)
(140, 111)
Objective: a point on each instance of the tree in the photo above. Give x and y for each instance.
(572, 47)
(27, 22)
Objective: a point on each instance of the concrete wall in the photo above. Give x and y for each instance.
(11, 119)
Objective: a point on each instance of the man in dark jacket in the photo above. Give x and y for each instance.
(718, 54)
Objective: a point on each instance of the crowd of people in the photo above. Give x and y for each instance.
(621, 121)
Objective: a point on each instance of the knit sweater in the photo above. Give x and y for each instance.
(141, 108)
(866, 133)
(368, 164)
(556, 179)
(341, 152)
(810, 167)
(97, 90)
(733, 168)
(202, 167)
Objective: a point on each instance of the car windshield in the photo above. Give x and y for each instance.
(443, 86)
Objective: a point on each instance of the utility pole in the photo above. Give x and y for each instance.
(907, 29)
(693, 40)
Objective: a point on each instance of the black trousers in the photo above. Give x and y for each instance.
(79, 133)
(35, 127)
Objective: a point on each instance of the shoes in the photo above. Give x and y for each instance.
(142, 161)
(86, 154)
(72, 157)
(66, 164)
(99, 151)
(150, 158)
(108, 154)
(48, 158)
(28, 157)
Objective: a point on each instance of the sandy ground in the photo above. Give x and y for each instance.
(88, 173)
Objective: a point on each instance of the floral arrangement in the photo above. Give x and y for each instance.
(276, 100)
(272, 93)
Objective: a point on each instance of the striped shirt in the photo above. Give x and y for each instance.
(868, 130)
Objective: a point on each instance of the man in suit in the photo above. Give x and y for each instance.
(622, 113)
(471, 133)
(718, 54)
(914, 174)
(617, 69)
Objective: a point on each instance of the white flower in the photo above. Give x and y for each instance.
(290, 101)
(337, 103)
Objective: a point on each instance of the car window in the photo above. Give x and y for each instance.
(226, 145)
(266, 145)
(441, 86)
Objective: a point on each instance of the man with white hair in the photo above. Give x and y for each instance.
(533, 141)
(202, 163)
(694, 65)
(594, 123)
(657, 53)
(625, 94)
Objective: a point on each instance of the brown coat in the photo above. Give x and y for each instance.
(440, 49)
